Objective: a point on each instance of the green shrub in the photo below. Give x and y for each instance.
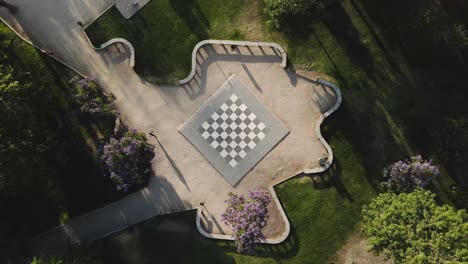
(412, 228)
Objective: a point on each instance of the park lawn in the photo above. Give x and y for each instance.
(65, 179)
(395, 92)
(391, 105)
(321, 217)
(165, 32)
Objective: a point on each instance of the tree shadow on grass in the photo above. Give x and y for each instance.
(192, 15)
(341, 27)
(331, 178)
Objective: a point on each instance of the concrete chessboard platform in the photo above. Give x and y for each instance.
(233, 130)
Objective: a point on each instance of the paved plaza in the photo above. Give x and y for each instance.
(233, 130)
(187, 172)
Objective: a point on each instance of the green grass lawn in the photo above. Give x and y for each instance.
(402, 86)
(321, 216)
(165, 32)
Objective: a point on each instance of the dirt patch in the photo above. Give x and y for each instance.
(355, 251)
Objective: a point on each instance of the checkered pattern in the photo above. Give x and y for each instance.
(233, 130)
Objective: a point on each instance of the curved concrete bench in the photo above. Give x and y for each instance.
(120, 40)
(339, 99)
(200, 44)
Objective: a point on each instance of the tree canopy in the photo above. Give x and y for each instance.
(412, 228)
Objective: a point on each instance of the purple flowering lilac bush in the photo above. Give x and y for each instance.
(406, 176)
(128, 159)
(247, 217)
(89, 97)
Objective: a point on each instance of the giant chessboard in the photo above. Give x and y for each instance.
(233, 130)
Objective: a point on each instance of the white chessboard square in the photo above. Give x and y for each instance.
(242, 116)
(242, 153)
(261, 126)
(224, 125)
(224, 135)
(224, 116)
(233, 153)
(233, 107)
(223, 153)
(242, 135)
(261, 135)
(233, 144)
(224, 144)
(233, 98)
(251, 144)
(242, 144)
(233, 163)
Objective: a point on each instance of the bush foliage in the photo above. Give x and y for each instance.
(247, 217)
(412, 228)
(405, 176)
(90, 98)
(128, 159)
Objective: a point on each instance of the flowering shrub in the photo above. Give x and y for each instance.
(128, 159)
(90, 98)
(406, 176)
(247, 217)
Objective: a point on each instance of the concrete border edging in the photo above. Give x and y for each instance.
(113, 41)
(202, 43)
(123, 41)
(320, 120)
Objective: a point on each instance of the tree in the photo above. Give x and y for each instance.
(247, 217)
(128, 159)
(412, 228)
(405, 176)
(282, 12)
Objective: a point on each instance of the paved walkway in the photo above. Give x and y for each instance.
(295, 100)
